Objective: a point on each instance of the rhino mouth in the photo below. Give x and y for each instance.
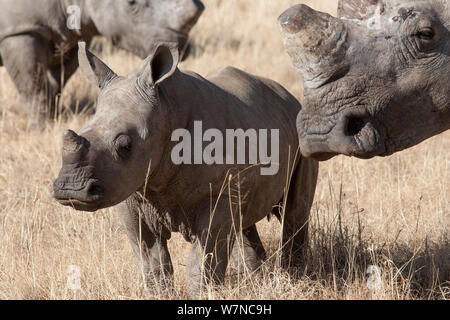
(85, 197)
(81, 205)
(182, 39)
(144, 48)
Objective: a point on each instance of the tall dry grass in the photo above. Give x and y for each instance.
(393, 212)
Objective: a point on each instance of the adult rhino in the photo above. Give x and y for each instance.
(38, 39)
(375, 80)
(125, 155)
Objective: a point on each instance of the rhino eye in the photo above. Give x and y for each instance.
(131, 2)
(122, 146)
(425, 34)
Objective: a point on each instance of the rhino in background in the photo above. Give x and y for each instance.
(124, 156)
(39, 50)
(375, 80)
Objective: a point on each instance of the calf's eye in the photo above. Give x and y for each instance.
(123, 146)
(425, 34)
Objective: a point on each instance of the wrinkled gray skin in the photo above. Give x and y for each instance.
(40, 52)
(375, 80)
(129, 139)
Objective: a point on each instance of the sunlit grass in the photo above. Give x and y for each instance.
(393, 213)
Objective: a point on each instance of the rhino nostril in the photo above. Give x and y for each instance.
(199, 4)
(58, 185)
(355, 125)
(95, 190)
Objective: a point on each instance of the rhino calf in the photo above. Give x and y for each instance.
(123, 156)
(38, 41)
(375, 80)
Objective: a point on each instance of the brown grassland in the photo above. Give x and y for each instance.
(390, 212)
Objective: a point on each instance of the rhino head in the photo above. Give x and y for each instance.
(374, 79)
(134, 25)
(124, 143)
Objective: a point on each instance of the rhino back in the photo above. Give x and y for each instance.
(231, 99)
(256, 93)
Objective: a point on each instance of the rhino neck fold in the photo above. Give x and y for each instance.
(178, 97)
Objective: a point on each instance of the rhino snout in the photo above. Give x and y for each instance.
(355, 133)
(85, 196)
(194, 14)
(189, 11)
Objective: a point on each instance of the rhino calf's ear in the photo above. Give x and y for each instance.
(93, 68)
(162, 63)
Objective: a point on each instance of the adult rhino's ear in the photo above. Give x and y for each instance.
(93, 68)
(359, 9)
(162, 63)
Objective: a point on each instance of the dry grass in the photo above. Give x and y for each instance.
(393, 212)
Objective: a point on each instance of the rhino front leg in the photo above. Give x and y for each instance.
(248, 252)
(61, 73)
(296, 216)
(149, 247)
(208, 259)
(26, 59)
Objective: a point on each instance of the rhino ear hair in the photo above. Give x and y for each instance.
(93, 68)
(162, 63)
(358, 9)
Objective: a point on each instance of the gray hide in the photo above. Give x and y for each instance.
(375, 80)
(129, 139)
(39, 49)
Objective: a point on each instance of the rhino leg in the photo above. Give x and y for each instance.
(26, 59)
(63, 72)
(248, 252)
(149, 246)
(208, 259)
(296, 216)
